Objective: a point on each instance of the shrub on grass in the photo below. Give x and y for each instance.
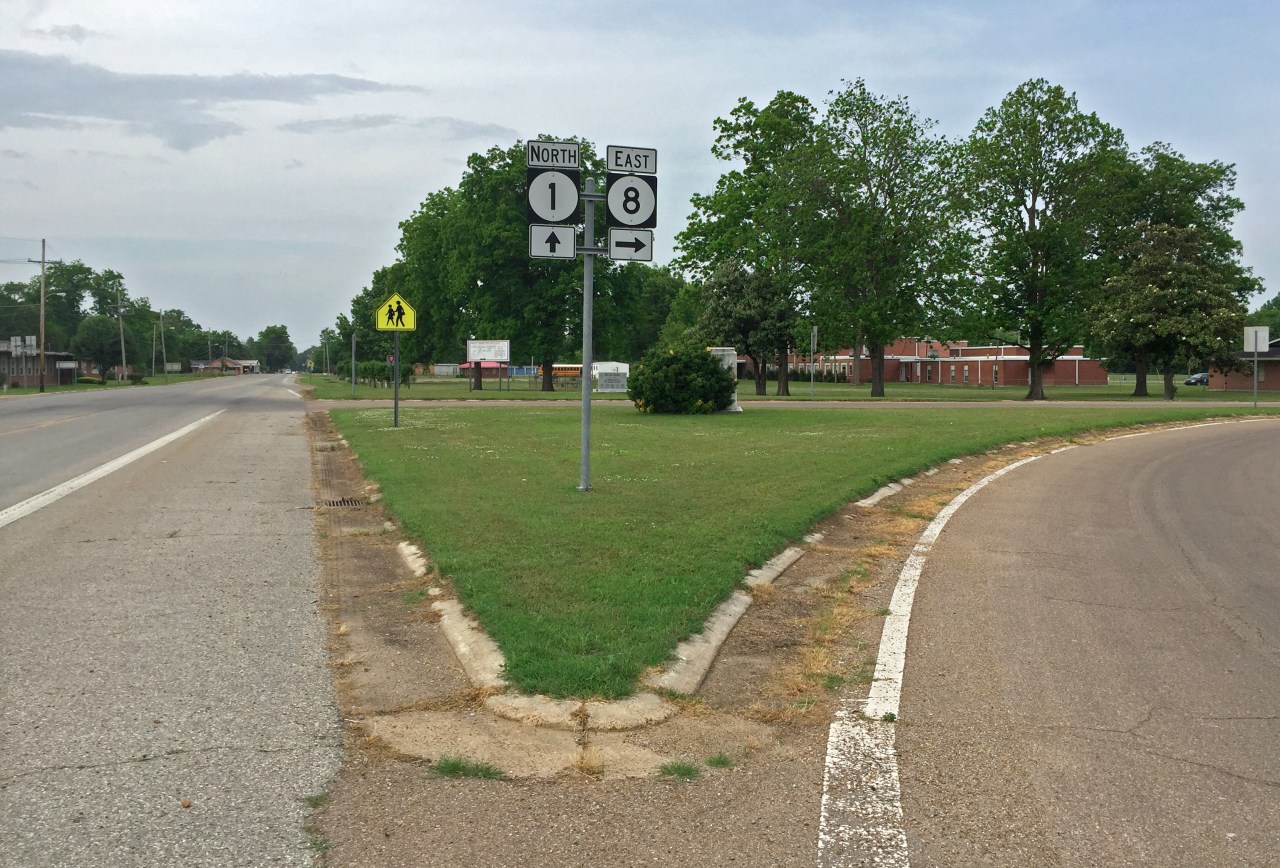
(89, 381)
(680, 380)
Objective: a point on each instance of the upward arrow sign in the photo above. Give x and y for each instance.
(553, 241)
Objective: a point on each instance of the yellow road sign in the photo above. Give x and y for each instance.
(395, 315)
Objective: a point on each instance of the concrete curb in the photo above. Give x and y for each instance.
(482, 660)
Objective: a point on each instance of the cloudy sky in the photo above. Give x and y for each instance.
(249, 161)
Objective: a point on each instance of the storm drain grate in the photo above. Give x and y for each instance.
(344, 501)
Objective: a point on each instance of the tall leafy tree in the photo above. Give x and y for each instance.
(467, 254)
(1160, 190)
(882, 234)
(743, 310)
(750, 221)
(274, 348)
(1174, 302)
(1035, 164)
(97, 340)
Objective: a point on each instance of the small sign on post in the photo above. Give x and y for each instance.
(1257, 339)
(395, 315)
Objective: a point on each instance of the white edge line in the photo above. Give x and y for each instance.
(44, 498)
(861, 795)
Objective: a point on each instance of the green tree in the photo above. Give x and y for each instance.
(632, 309)
(881, 233)
(1035, 169)
(274, 348)
(744, 310)
(97, 340)
(1156, 190)
(1174, 302)
(1267, 314)
(751, 217)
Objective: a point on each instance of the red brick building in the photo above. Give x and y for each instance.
(921, 361)
(1268, 372)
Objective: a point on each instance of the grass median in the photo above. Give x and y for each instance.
(525, 389)
(584, 591)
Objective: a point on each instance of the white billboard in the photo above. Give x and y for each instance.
(488, 351)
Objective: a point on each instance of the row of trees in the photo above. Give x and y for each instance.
(85, 310)
(1041, 228)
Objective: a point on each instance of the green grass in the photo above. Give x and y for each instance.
(458, 767)
(681, 771)
(449, 388)
(720, 761)
(583, 591)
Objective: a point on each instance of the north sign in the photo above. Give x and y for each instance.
(632, 201)
(552, 242)
(632, 244)
(552, 155)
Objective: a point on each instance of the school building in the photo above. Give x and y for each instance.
(908, 360)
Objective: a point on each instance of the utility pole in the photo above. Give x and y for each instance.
(124, 361)
(42, 264)
(164, 356)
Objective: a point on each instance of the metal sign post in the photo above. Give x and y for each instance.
(631, 198)
(1258, 339)
(393, 315)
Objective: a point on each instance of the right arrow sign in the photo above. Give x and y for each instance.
(634, 244)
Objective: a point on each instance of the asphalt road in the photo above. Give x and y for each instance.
(164, 697)
(1093, 674)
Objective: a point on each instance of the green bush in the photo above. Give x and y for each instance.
(137, 379)
(680, 380)
(89, 381)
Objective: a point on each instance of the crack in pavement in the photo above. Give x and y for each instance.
(146, 758)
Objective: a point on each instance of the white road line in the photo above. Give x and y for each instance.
(861, 800)
(44, 498)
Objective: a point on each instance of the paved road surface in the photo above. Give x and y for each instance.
(159, 637)
(1093, 674)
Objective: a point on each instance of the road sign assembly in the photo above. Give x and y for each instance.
(552, 195)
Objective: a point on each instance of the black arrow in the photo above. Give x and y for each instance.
(636, 244)
(553, 242)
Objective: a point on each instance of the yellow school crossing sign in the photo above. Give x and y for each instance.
(395, 315)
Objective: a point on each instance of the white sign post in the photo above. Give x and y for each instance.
(1257, 339)
(728, 356)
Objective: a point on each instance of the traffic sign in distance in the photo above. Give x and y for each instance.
(633, 244)
(395, 315)
(552, 242)
(632, 201)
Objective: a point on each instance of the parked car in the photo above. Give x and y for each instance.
(1196, 380)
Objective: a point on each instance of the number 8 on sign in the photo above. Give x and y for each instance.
(632, 200)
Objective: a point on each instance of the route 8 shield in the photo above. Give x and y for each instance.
(632, 201)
